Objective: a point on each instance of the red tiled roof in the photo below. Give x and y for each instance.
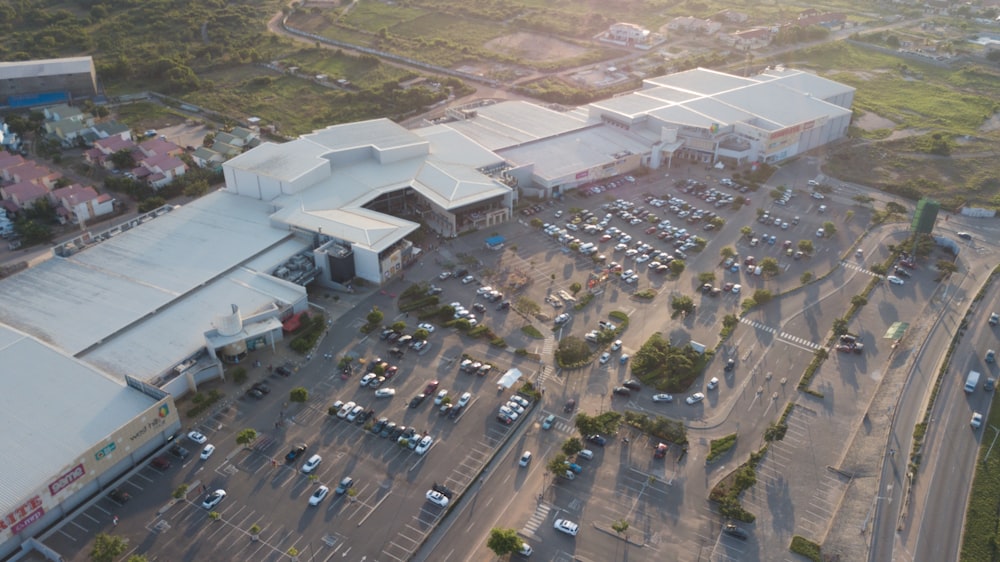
(25, 191)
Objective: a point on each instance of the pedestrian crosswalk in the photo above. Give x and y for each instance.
(857, 267)
(785, 336)
(537, 518)
(758, 325)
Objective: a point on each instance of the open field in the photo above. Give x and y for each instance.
(919, 129)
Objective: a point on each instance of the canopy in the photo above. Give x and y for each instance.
(509, 378)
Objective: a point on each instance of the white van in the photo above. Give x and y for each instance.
(585, 454)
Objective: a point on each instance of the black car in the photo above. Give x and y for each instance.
(160, 463)
(479, 307)
(364, 416)
(632, 385)
(734, 531)
(455, 412)
(119, 496)
(901, 272)
(262, 388)
(597, 440)
(569, 406)
(386, 333)
(283, 371)
(730, 364)
(621, 391)
(179, 452)
(387, 430)
(381, 423)
(396, 352)
(505, 305)
(965, 236)
(417, 400)
(443, 490)
(460, 273)
(254, 393)
(296, 452)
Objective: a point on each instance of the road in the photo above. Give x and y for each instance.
(951, 446)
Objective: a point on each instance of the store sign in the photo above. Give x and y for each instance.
(24, 515)
(107, 450)
(73, 475)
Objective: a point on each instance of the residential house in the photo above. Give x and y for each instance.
(627, 33)
(160, 169)
(731, 16)
(748, 39)
(109, 129)
(693, 24)
(227, 150)
(8, 160)
(8, 139)
(228, 138)
(22, 195)
(30, 171)
(76, 204)
(63, 112)
(100, 154)
(245, 137)
(207, 158)
(160, 147)
(68, 131)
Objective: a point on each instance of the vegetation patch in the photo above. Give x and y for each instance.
(645, 294)
(667, 367)
(573, 352)
(309, 332)
(718, 447)
(807, 548)
(532, 332)
(202, 402)
(660, 427)
(727, 492)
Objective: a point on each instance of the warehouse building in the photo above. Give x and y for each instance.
(36, 83)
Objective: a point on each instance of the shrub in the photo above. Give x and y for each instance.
(298, 394)
(498, 342)
(239, 375)
(807, 548)
(532, 332)
(646, 294)
(720, 446)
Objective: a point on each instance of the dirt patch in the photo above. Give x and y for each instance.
(533, 47)
(991, 124)
(186, 134)
(871, 122)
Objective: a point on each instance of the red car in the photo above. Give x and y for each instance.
(160, 463)
(430, 388)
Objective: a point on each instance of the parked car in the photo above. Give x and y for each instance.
(621, 391)
(663, 398)
(318, 495)
(207, 451)
(549, 421)
(160, 463)
(566, 526)
(296, 452)
(632, 384)
(597, 440)
(311, 464)
(437, 498)
(345, 484)
(179, 452)
(734, 531)
(213, 499)
(424, 445)
(197, 437)
(118, 495)
(695, 398)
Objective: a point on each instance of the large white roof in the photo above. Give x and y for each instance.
(555, 157)
(55, 408)
(512, 123)
(137, 303)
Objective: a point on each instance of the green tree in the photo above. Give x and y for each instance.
(681, 305)
(107, 547)
(839, 326)
(806, 277)
(572, 350)
(620, 527)
(728, 252)
(246, 436)
(557, 464)
(298, 394)
(503, 541)
(946, 267)
(421, 334)
(398, 326)
(829, 229)
(536, 222)
(769, 267)
(762, 296)
(123, 159)
(572, 446)
(137, 558)
(894, 208)
(862, 199)
(849, 215)
(677, 267)
(706, 277)
(806, 246)
(375, 316)
(746, 231)
(575, 288)
(879, 268)
(180, 491)
(859, 301)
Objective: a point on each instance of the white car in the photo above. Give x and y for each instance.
(713, 383)
(311, 464)
(820, 233)
(663, 398)
(520, 400)
(977, 420)
(346, 409)
(424, 444)
(425, 326)
(566, 526)
(464, 399)
(562, 318)
(197, 437)
(642, 259)
(515, 407)
(440, 397)
(437, 498)
(737, 289)
(355, 413)
(318, 495)
(605, 357)
(508, 413)
(695, 398)
(617, 345)
(385, 393)
(895, 280)
(207, 451)
(468, 279)
(525, 459)
(213, 499)
(484, 290)
(367, 379)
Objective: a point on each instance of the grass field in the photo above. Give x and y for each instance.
(982, 520)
